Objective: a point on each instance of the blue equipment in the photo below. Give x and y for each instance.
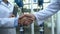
(19, 3)
(40, 2)
(41, 28)
(34, 0)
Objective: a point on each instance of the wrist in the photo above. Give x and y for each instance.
(33, 16)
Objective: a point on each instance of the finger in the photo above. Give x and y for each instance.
(25, 15)
(23, 20)
(22, 16)
(28, 15)
(13, 15)
(30, 19)
(28, 22)
(31, 16)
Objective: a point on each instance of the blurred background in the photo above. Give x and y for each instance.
(31, 6)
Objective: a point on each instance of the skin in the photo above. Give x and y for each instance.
(5, 1)
(27, 19)
(11, 16)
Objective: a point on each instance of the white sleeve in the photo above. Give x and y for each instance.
(50, 10)
(7, 22)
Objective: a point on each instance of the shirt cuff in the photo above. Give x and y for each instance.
(16, 22)
(39, 22)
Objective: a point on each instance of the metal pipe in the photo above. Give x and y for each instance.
(32, 25)
(52, 24)
(41, 28)
(21, 29)
(21, 26)
(58, 23)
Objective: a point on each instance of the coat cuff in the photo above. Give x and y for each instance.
(39, 22)
(16, 22)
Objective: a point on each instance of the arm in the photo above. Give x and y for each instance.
(50, 10)
(8, 22)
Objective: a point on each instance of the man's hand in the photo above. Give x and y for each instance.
(26, 19)
(12, 15)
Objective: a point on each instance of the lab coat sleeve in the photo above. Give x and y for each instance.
(50, 10)
(8, 22)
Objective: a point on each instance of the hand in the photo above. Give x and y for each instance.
(26, 19)
(11, 16)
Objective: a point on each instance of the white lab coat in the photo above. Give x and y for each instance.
(50, 10)
(6, 23)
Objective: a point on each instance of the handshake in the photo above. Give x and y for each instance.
(26, 19)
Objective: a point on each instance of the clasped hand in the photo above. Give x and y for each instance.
(26, 19)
